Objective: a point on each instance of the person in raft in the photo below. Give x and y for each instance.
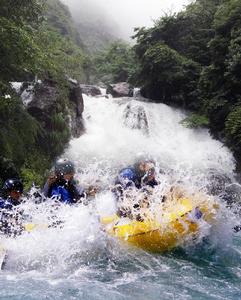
(140, 176)
(61, 186)
(10, 215)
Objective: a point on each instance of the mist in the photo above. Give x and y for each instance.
(125, 15)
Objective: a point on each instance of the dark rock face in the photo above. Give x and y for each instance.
(77, 123)
(90, 90)
(44, 101)
(121, 89)
(47, 99)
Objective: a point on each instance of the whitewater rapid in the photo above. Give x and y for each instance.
(118, 130)
(79, 261)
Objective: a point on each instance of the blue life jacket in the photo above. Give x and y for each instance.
(66, 192)
(62, 194)
(128, 177)
(6, 203)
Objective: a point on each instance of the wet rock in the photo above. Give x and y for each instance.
(137, 92)
(135, 118)
(90, 90)
(121, 89)
(75, 96)
(47, 99)
(44, 101)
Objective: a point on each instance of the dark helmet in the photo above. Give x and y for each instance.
(63, 167)
(13, 184)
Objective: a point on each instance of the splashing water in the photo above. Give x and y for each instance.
(77, 260)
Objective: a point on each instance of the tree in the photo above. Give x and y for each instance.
(116, 63)
(22, 11)
(193, 59)
(168, 76)
(19, 50)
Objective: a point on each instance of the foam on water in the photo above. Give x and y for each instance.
(77, 260)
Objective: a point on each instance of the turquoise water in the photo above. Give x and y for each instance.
(109, 270)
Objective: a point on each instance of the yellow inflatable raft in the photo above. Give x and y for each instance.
(177, 224)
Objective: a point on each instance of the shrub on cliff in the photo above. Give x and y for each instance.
(193, 59)
(233, 128)
(30, 46)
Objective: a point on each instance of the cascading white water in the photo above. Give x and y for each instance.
(77, 260)
(117, 130)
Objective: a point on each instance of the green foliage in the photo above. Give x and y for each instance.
(233, 128)
(30, 177)
(18, 50)
(60, 56)
(37, 38)
(117, 63)
(59, 18)
(168, 76)
(195, 121)
(31, 46)
(18, 137)
(187, 32)
(18, 129)
(193, 59)
(220, 83)
(34, 169)
(22, 11)
(56, 138)
(173, 53)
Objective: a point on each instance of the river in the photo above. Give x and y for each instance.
(79, 261)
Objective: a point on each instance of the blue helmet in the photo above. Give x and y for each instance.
(13, 184)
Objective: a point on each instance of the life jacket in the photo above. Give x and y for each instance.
(62, 194)
(66, 192)
(128, 177)
(6, 203)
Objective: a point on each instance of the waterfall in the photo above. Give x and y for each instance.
(118, 130)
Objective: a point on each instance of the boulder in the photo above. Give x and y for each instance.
(135, 118)
(44, 100)
(90, 90)
(48, 98)
(121, 89)
(75, 96)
